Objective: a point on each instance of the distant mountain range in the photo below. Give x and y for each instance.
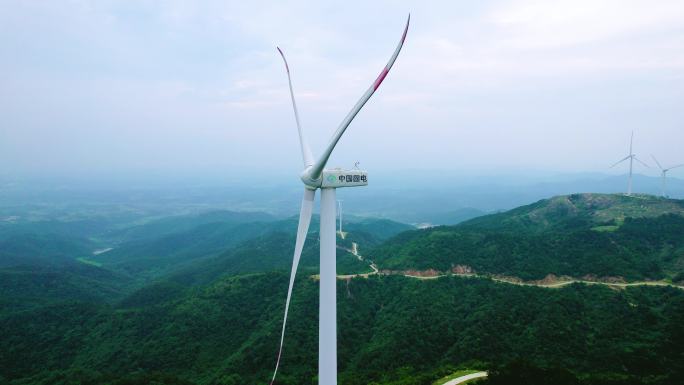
(429, 197)
(449, 198)
(238, 242)
(64, 260)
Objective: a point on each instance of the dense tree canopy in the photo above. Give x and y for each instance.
(392, 330)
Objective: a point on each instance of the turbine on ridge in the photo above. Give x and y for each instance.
(316, 176)
(663, 174)
(632, 157)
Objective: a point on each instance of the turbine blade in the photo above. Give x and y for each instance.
(306, 151)
(303, 227)
(317, 168)
(677, 166)
(639, 160)
(631, 140)
(620, 161)
(656, 160)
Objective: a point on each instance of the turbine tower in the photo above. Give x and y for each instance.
(663, 174)
(632, 157)
(339, 209)
(316, 176)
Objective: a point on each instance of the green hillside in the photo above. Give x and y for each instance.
(255, 246)
(198, 300)
(635, 238)
(370, 232)
(93, 226)
(42, 249)
(160, 227)
(380, 229)
(271, 252)
(37, 269)
(157, 255)
(25, 287)
(392, 330)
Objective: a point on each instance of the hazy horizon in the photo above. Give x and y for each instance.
(441, 197)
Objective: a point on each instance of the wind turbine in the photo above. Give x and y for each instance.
(339, 208)
(316, 176)
(663, 174)
(632, 157)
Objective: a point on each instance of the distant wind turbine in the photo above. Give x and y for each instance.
(339, 207)
(316, 176)
(632, 157)
(663, 174)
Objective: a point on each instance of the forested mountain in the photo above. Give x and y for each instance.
(392, 330)
(38, 269)
(198, 299)
(25, 287)
(379, 229)
(155, 256)
(635, 238)
(272, 252)
(254, 245)
(41, 249)
(160, 227)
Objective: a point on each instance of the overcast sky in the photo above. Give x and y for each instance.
(106, 87)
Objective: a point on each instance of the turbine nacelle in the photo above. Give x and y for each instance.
(335, 178)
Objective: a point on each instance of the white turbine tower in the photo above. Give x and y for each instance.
(632, 157)
(315, 176)
(339, 213)
(663, 174)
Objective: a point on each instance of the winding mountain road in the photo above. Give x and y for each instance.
(466, 378)
(569, 282)
(355, 251)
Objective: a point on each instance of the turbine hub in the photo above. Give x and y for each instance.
(309, 182)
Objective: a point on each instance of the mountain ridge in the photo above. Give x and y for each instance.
(636, 237)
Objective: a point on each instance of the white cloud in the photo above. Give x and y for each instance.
(544, 24)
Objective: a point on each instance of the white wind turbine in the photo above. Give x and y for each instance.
(339, 213)
(315, 176)
(632, 157)
(663, 174)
